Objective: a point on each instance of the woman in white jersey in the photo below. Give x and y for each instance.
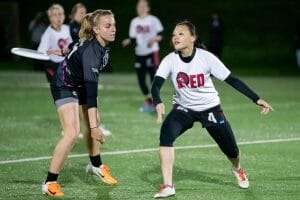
(56, 36)
(145, 31)
(196, 100)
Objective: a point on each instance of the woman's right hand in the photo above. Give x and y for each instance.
(98, 135)
(125, 42)
(160, 110)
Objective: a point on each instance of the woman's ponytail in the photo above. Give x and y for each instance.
(86, 30)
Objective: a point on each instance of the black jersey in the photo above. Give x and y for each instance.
(74, 30)
(81, 68)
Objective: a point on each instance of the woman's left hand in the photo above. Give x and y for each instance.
(98, 135)
(266, 107)
(54, 52)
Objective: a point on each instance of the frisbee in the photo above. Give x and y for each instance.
(29, 53)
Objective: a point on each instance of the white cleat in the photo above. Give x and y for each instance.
(105, 131)
(103, 172)
(241, 178)
(165, 191)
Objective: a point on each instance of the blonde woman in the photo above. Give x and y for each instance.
(56, 36)
(75, 85)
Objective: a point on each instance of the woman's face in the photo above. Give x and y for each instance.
(182, 38)
(106, 28)
(142, 8)
(57, 17)
(79, 14)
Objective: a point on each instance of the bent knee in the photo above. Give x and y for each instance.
(71, 135)
(166, 140)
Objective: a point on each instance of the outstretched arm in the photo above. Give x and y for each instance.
(244, 89)
(155, 91)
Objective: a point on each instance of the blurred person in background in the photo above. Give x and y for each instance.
(56, 36)
(76, 16)
(297, 43)
(37, 27)
(215, 40)
(145, 32)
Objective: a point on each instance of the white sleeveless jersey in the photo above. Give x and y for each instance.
(192, 81)
(52, 39)
(142, 29)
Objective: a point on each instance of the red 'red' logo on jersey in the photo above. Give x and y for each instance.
(189, 81)
(142, 29)
(62, 43)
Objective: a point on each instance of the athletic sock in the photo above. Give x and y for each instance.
(51, 177)
(96, 160)
(237, 168)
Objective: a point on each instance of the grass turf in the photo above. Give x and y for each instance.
(30, 128)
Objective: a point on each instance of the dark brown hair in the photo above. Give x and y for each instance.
(191, 27)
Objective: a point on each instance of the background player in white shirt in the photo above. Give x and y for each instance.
(196, 100)
(145, 31)
(56, 36)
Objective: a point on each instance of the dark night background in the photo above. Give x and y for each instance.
(258, 35)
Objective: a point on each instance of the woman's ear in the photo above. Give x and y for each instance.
(193, 39)
(96, 30)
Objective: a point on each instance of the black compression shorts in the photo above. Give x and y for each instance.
(181, 119)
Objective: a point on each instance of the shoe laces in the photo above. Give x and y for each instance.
(105, 168)
(164, 186)
(241, 173)
(54, 187)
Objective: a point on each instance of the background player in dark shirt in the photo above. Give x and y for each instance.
(76, 84)
(215, 41)
(76, 16)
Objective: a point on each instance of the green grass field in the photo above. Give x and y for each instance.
(29, 129)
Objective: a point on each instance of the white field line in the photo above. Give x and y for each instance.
(151, 150)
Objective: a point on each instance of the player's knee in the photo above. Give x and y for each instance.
(166, 138)
(71, 135)
(166, 141)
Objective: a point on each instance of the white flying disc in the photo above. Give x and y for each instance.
(30, 53)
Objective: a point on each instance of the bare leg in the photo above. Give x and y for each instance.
(167, 158)
(92, 145)
(235, 162)
(69, 118)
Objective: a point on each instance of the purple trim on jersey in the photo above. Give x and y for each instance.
(63, 66)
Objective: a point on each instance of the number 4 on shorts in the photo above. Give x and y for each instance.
(212, 118)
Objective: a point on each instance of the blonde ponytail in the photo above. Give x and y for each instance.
(86, 30)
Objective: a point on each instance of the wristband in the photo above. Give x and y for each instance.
(94, 127)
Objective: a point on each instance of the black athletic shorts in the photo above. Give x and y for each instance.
(63, 95)
(210, 117)
(150, 60)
